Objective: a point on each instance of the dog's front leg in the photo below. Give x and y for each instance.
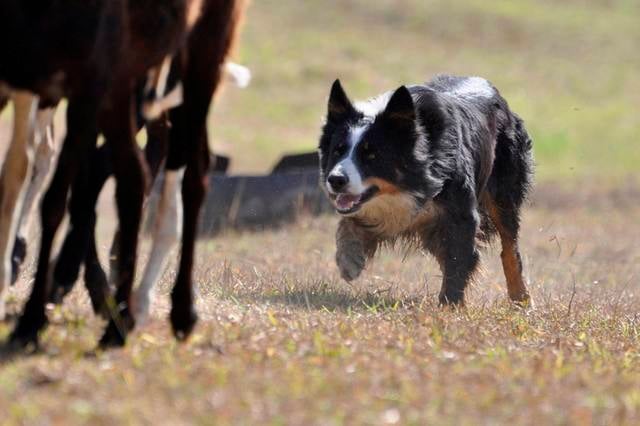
(353, 247)
(460, 258)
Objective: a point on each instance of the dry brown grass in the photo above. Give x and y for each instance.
(284, 341)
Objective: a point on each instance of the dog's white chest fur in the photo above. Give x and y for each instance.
(391, 215)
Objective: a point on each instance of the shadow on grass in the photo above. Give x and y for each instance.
(327, 298)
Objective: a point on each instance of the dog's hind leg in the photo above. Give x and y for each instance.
(506, 222)
(506, 191)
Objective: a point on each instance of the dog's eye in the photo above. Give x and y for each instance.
(368, 152)
(339, 150)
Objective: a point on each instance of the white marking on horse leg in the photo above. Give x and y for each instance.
(15, 171)
(45, 155)
(153, 110)
(158, 78)
(167, 231)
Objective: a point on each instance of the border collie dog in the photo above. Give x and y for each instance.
(445, 165)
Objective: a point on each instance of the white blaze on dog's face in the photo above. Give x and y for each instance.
(346, 169)
(366, 147)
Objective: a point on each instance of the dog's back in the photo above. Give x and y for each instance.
(485, 133)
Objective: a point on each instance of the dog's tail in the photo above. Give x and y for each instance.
(514, 151)
(511, 177)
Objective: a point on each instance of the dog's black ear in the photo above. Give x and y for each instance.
(340, 106)
(400, 110)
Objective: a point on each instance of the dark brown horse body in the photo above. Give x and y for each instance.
(95, 53)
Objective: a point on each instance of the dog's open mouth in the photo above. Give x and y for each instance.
(351, 203)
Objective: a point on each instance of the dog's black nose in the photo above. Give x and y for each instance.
(337, 182)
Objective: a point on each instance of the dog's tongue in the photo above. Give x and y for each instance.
(346, 201)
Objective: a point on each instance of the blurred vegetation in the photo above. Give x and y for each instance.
(569, 68)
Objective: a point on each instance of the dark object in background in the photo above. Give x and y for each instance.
(257, 202)
(219, 164)
(297, 162)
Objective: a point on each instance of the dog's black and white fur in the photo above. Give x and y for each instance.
(445, 163)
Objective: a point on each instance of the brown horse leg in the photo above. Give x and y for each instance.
(131, 179)
(82, 131)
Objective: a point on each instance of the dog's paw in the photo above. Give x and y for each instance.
(523, 301)
(350, 262)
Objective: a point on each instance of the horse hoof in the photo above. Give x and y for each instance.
(183, 321)
(25, 334)
(115, 336)
(112, 337)
(99, 290)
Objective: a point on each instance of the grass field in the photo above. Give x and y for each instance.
(569, 68)
(282, 340)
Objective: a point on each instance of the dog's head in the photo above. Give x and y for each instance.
(368, 149)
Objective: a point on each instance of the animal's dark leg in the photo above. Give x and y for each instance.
(188, 144)
(79, 243)
(507, 224)
(155, 153)
(461, 260)
(207, 50)
(507, 189)
(183, 315)
(456, 249)
(130, 173)
(96, 280)
(82, 130)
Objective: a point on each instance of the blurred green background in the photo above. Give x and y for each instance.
(570, 68)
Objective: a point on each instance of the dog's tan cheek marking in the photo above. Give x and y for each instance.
(384, 186)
